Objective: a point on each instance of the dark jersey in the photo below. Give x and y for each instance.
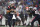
(8, 15)
(9, 8)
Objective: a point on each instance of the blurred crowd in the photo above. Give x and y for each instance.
(22, 4)
(24, 8)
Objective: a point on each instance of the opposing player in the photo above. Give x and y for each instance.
(36, 18)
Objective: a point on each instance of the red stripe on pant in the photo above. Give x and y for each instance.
(33, 18)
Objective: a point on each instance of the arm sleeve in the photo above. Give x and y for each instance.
(14, 7)
(8, 8)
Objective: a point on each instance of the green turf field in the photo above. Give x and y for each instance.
(15, 26)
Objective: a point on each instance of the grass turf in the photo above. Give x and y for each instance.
(15, 26)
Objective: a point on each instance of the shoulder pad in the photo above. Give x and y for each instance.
(8, 6)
